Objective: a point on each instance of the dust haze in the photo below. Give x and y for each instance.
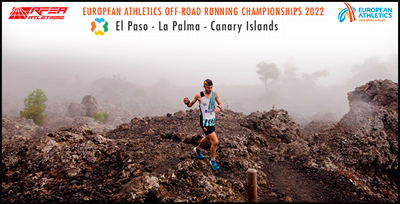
(151, 76)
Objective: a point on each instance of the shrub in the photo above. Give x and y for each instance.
(100, 116)
(34, 107)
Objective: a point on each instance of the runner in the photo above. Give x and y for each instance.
(207, 99)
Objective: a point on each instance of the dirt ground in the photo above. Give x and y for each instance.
(290, 181)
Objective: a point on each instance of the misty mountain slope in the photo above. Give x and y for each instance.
(152, 159)
(364, 143)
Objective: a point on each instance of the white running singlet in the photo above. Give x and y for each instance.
(207, 106)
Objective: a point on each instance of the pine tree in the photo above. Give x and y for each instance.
(34, 107)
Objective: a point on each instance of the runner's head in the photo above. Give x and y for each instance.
(208, 85)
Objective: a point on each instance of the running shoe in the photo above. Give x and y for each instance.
(214, 165)
(198, 153)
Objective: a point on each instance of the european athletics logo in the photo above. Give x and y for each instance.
(349, 11)
(105, 26)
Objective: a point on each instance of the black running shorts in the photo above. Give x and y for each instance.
(208, 129)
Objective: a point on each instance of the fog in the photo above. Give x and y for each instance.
(318, 65)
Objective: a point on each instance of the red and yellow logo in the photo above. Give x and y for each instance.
(349, 11)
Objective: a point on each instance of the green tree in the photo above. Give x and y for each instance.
(267, 71)
(34, 107)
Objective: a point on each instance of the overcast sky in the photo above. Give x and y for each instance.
(67, 48)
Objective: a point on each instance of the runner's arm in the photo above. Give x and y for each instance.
(195, 99)
(217, 100)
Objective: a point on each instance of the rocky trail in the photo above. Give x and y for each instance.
(152, 159)
(292, 182)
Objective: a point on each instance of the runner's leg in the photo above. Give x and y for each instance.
(214, 141)
(203, 141)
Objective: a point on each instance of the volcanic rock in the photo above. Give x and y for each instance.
(152, 158)
(19, 127)
(76, 109)
(275, 123)
(91, 105)
(364, 143)
(370, 129)
(317, 126)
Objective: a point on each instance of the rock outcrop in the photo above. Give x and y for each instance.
(369, 131)
(274, 123)
(364, 143)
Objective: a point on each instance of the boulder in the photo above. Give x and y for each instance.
(76, 109)
(91, 105)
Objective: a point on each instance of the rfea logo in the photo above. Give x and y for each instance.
(30, 13)
(99, 31)
(349, 11)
